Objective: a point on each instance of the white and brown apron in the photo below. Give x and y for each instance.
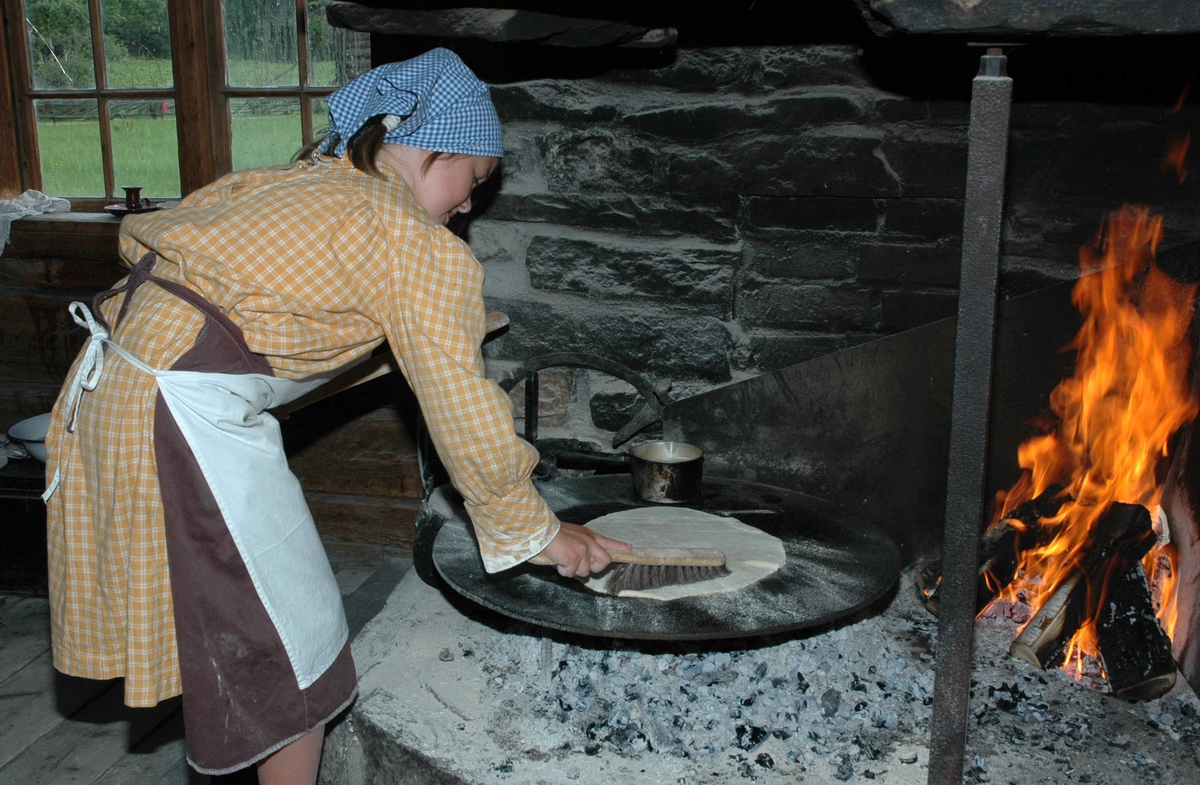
(263, 642)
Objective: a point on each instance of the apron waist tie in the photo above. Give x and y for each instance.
(87, 375)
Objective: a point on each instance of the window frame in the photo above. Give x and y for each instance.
(202, 98)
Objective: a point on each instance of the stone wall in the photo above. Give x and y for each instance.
(741, 209)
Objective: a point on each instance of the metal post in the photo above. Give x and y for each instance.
(991, 100)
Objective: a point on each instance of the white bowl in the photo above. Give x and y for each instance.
(32, 434)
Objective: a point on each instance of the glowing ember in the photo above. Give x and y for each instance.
(1128, 395)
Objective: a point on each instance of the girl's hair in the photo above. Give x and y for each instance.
(363, 148)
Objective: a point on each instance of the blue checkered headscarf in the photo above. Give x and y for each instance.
(447, 108)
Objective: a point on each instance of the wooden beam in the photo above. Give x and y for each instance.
(189, 64)
(21, 74)
(10, 162)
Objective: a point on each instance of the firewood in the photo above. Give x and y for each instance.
(1000, 547)
(1122, 536)
(1135, 651)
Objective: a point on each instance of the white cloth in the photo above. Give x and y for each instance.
(238, 446)
(29, 203)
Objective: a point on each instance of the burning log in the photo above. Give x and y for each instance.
(1133, 647)
(1121, 537)
(1000, 548)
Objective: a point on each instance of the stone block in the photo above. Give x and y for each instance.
(897, 263)
(811, 213)
(557, 101)
(807, 306)
(831, 161)
(707, 218)
(707, 122)
(683, 274)
(771, 350)
(1020, 276)
(918, 217)
(927, 162)
(829, 64)
(601, 160)
(652, 341)
(611, 411)
(781, 253)
(554, 397)
(893, 109)
(905, 310)
(693, 70)
(1113, 162)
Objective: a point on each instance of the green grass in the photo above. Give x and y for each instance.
(145, 152)
(141, 72)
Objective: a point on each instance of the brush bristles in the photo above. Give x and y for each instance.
(641, 577)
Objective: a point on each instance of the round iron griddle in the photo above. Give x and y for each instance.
(836, 564)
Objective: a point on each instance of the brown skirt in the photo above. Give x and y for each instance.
(241, 700)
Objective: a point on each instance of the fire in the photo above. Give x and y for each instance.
(1176, 158)
(1116, 415)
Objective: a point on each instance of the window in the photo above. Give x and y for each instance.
(166, 95)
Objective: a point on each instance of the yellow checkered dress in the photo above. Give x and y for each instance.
(318, 264)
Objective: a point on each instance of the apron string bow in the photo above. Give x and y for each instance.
(91, 364)
(87, 375)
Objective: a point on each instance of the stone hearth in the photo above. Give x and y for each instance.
(451, 694)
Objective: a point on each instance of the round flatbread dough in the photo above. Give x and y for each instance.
(750, 554)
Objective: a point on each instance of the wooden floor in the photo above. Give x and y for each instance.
(56, 729)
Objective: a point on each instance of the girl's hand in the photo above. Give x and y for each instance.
(577, 552)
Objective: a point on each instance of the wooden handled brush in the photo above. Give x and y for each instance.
(651, 568)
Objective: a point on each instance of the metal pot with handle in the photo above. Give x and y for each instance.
(663, 472)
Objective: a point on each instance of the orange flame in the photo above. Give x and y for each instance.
(1176, 158)
(1128, 395)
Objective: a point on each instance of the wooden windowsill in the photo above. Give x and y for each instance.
(64, 236)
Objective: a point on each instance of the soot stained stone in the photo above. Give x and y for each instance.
(901, 109)
(932, 218)
(819, 65)
(931, 162)
(811, 306)
(832, 161)
(938, 265)
(812, 213)
(647, 340)
(1083, 161)
(554, 102)
(690, 275)
(710, 121)
(905, 310)
(600, 160)
(699, 70)
(771, 350)
(801, 255)
(610, 411)
(709, 219)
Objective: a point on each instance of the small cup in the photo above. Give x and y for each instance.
(133, 196)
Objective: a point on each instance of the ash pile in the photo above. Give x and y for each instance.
(844, 703)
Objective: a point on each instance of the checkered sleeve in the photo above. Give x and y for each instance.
(436, 325)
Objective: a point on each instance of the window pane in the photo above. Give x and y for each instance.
(336, 55)
(260, 43)
(137, 43)
(320, 117)
(60, 43)
(69, 145)
(145, 148)
(266, 131)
